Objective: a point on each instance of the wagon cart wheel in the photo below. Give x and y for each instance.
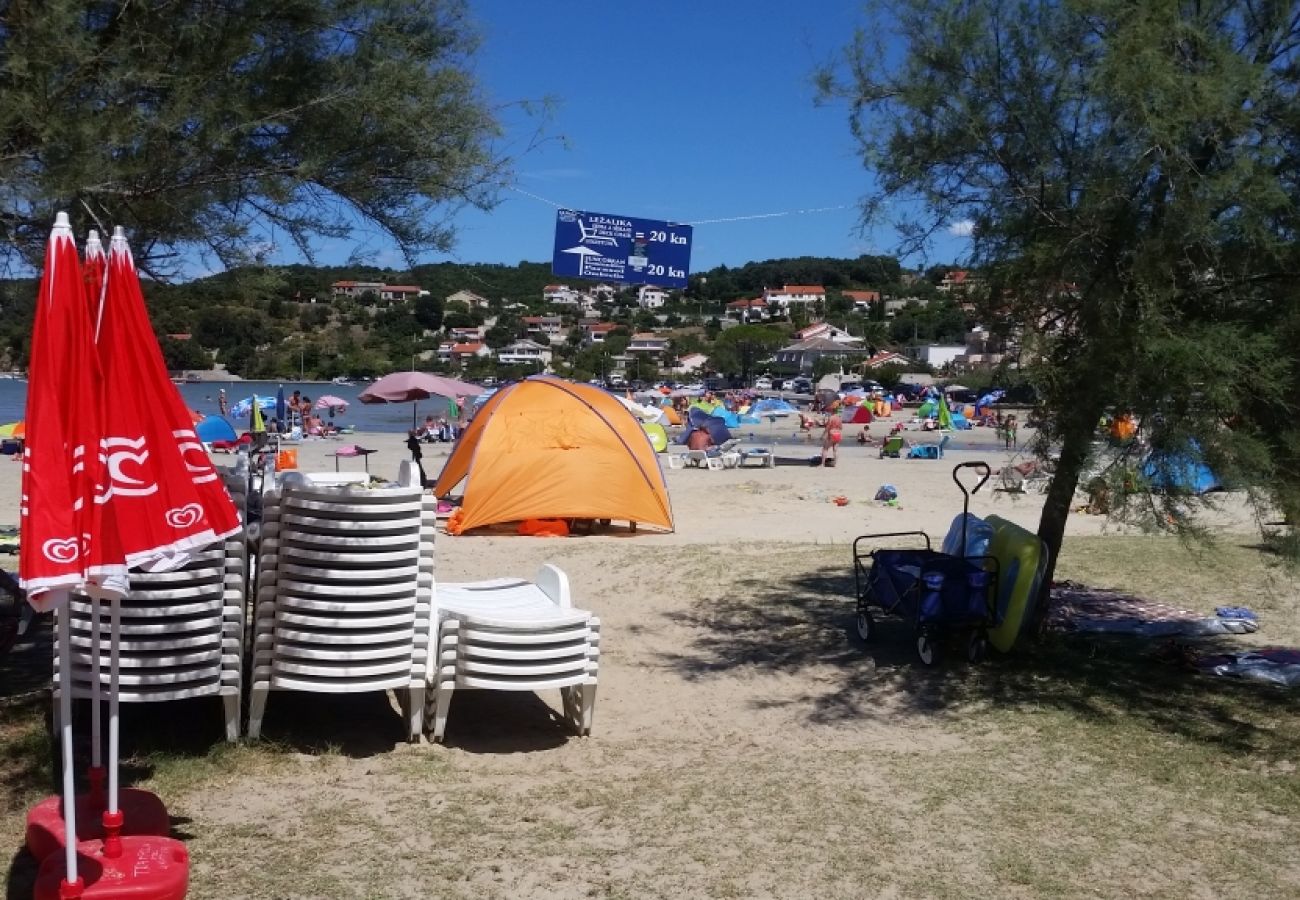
(866, 625)
(926, 648)
(977, 647)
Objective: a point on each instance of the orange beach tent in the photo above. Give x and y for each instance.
(546, 448)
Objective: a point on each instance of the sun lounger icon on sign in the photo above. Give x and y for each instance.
(590, 236)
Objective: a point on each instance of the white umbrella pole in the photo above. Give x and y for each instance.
(96, 752)
(112, 815)
(65, 737)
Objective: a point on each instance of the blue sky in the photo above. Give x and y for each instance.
(680, 110)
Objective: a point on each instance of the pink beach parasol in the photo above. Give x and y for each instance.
(408, 387)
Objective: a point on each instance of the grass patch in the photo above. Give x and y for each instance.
(788, 759)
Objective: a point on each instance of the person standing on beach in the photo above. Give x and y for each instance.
(417, 455)
(832, 436)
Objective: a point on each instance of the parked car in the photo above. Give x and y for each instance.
(763, 384)
(801, 385)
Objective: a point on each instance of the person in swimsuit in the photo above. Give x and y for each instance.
(833, 434)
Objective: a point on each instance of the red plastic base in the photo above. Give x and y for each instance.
(142, 811)
(150, 868)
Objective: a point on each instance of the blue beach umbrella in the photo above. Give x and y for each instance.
(280, 406)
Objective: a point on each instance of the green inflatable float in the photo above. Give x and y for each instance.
(658, 437)
(1022, 562)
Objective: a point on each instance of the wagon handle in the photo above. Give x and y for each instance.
(981, 467)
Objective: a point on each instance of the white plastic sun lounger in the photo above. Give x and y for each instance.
(514, 635)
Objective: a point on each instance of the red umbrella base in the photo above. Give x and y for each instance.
(142, 814)
(150, 868)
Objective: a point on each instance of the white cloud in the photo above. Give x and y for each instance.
(963, 228)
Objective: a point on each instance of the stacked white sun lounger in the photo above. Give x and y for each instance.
(514, 635)
(343, 593)
(181, 632)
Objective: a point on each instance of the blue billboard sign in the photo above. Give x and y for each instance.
(620, 248)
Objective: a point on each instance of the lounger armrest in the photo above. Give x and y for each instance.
(552, 582)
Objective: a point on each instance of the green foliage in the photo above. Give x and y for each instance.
(222, 126)
(1129, 170)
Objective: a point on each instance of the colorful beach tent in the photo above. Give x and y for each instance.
(214, 428)
(546, 448)
(859, 415)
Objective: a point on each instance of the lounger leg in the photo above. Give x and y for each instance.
(588, 708)
(415, 713)
(256, 709)
(442, 696)
(231, 704)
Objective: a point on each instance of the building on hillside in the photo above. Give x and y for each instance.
(803, 355)
(751, 310)
(794, 295)
(649, 296)
(862, 301)
(468, 333)
(400, 292)
(605, 293)
(463, 353)
(936, 355)
(387, 292)
(825, 330)
(561, 295)
(647, 342)
(894, 307)
(690, 363)
(469, 299)
(546, 329)
(356, 288)
(596, 332)
(886, 358)
(959, 281)
(524, 352)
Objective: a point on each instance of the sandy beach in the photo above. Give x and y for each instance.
(745, 743)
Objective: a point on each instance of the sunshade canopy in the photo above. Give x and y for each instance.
(548, 448)
(404, 387)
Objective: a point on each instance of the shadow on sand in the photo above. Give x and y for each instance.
(807, 621)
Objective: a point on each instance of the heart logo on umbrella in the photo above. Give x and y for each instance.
(61, 551)
(184, 516)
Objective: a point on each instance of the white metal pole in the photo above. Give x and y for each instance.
(96, 754)
(65, 738)
(115, 634)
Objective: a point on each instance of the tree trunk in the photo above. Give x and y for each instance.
(1075, 444)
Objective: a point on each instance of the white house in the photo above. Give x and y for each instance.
(794, 295)
(647, 342)
(525, 352)
(562, 295)
(649, 296)
(937, 355)
(545, 328)
(399, 292)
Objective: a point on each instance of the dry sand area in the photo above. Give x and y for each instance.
(747, 744)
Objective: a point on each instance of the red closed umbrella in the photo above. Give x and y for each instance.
(140, 490)
(61, 467)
